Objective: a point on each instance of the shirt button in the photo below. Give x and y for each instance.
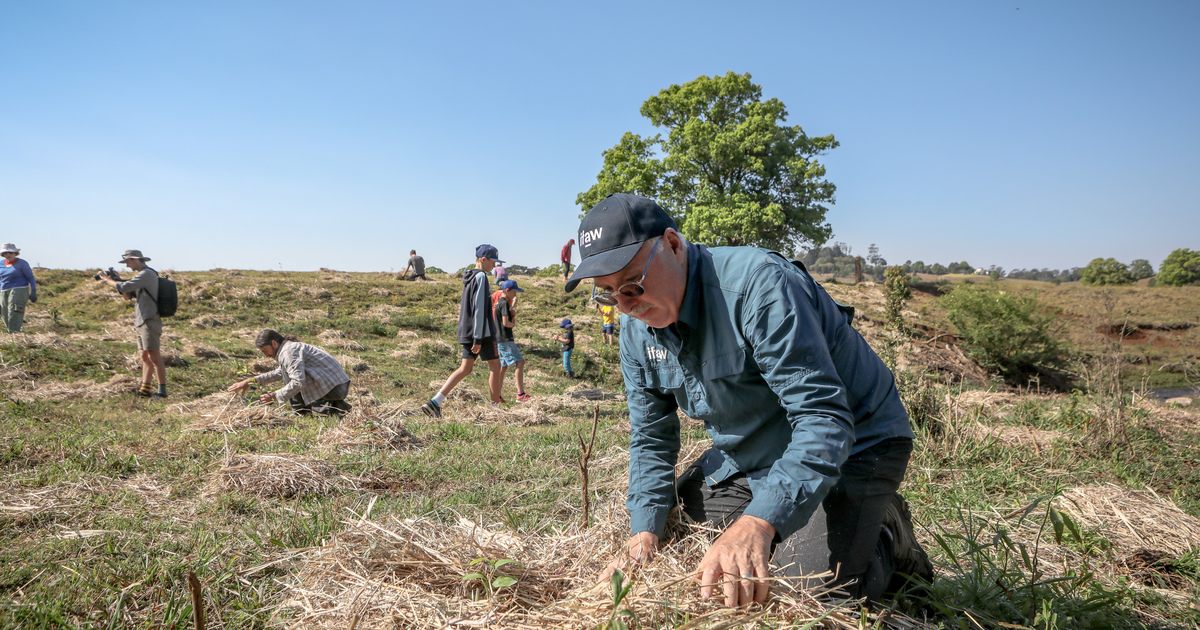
(809, 358)
(696, 396)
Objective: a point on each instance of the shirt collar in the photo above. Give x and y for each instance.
(689, 310)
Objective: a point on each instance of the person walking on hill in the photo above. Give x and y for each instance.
(510, 354)
(17, 288)
(416, 264)
(313, 380)
(565, 258)
(142, 290)
(477, 331)
(810, 438)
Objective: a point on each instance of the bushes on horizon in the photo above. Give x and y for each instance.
(1181, 267)
(1140, 269)
(1006, 334)
(1103, 271)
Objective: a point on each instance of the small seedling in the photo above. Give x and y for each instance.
(619, 591)
(490, 576)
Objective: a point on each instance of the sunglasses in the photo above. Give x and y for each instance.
(631, 290)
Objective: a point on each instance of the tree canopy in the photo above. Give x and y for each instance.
(1106, 271)
(729, 170)
(1180, 267)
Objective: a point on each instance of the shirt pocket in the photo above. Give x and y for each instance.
(662, 377)
(724, 365)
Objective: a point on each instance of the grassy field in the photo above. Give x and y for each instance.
(1040, 510)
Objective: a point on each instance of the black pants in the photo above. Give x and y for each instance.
(332, 403)
(842, 536)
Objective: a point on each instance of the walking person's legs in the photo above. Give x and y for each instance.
(14, 302)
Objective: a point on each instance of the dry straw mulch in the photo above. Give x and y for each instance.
(276, 475)
(380, 291)
(310, 314)
(202, 351)
(409, 573)
(338, 339)
(380, 312)
(317, 292)
(370, 427)
(31, 390)
(210, 321)
(36, 340)
(230, 412)
(1133, 519)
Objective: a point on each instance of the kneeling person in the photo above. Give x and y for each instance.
(314, 381)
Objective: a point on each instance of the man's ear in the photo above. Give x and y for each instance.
(673, 241)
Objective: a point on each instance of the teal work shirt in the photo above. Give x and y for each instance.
(786, 388)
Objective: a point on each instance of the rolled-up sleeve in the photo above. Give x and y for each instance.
(783, 324)
(653, 452)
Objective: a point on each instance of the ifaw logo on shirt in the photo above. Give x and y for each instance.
(586, 237)
(655, 354)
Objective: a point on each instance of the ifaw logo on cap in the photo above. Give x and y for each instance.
(586, 237)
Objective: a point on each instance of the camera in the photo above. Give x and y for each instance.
(107, 273)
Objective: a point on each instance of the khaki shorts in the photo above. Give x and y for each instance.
(148, 334)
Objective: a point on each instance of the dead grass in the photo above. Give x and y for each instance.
(338, 339)
(32, 391)
(35, 340)
(228, 412)
(370, 427)
(375, 573)
(316, 292)
(210, 321)
(276, 475)
(202, 351)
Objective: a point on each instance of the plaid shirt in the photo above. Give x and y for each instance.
(306, 369)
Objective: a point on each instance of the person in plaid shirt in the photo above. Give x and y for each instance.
(313, 381)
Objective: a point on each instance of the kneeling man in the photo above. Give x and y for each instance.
(810, 439)
(313, 381)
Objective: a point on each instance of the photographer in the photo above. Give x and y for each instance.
(142, 289)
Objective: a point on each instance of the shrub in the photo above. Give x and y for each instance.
(1181, 267)
(1106, 271)
(896, 291)
(1006, 334)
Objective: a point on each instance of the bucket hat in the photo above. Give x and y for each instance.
(133, 253)
(9, 247)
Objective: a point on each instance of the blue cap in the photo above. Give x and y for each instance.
(566, 323)
(511, 284)
(488, 251)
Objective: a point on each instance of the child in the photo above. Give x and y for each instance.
(510, 354)
(477, 331)
(608, 316)
(568, 344)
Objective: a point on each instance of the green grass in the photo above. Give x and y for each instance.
(128, 468)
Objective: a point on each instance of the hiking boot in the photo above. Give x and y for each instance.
(341, 405)
(158, 395)
(523, 398)
(912, 565)
(432, 409)
(142, 394)
(570, 375)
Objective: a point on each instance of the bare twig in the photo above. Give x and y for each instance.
(197, 600)
(585, 453)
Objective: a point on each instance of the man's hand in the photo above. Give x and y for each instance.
(268, 397)
(241, 386)
(735, 558)
(640, 548)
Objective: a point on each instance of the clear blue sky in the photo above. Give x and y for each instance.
(343, 134)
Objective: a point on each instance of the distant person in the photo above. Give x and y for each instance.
(17, 288)
(510, 354)
(608, 321)
(477, 331)
(565, 257)
(500, 274)
(142, 290)
(567, 339)
(313, 380)
(416, 264)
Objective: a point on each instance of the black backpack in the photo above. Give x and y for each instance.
(168, 297)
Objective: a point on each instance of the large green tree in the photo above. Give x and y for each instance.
(729, 170)
(1106, 271)
(1180, 267)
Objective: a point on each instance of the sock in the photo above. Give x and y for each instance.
(438, 399)
(145, 390)
(520, 393)
(162, 390)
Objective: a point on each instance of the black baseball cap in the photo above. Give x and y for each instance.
(612, 233)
